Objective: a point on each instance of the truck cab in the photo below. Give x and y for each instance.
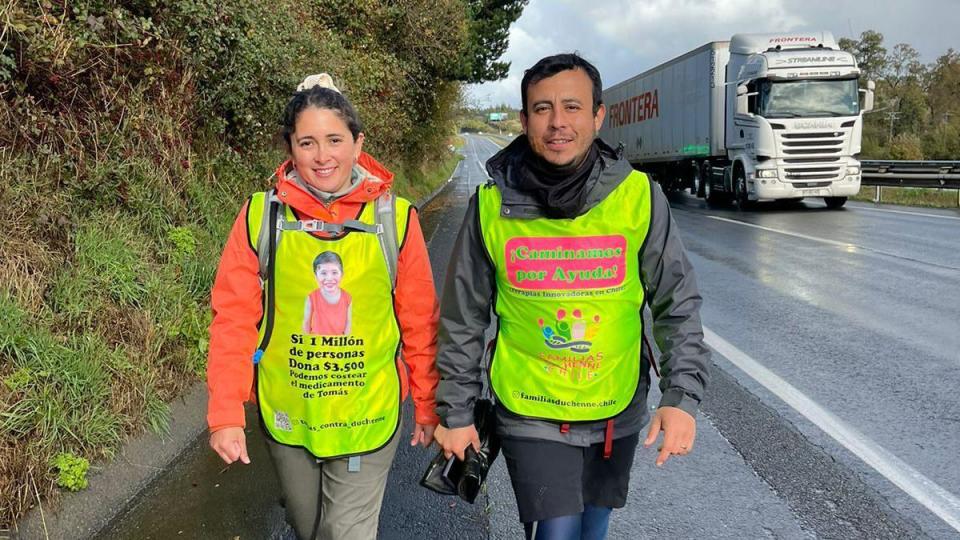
(794, 119)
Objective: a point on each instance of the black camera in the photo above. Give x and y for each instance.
(450, 476)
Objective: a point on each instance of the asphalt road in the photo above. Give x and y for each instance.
(831, 412)
(857, 310)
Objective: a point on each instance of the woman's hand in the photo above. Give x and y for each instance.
(423, 434)
(230, 444)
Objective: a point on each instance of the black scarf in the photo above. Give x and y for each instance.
(561, 191)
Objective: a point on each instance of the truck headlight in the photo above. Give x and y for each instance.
(853, 171)
(766, 173)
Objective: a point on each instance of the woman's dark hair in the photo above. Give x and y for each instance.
(551, 65)
(322, 98)
(327, 257)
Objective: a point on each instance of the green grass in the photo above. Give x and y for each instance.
(104, 307)
(933, 198)
(414, 183)
(499, 140)
(57, 396)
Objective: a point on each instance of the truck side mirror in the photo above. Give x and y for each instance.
(868, 95)
(743, 99)
(742, 103)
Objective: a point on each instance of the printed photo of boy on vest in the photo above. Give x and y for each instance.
(327, 310)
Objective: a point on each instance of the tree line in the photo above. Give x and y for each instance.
(917, 112)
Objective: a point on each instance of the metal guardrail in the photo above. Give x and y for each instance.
(921, 174)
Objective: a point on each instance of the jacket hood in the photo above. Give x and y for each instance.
(608, 172)
(375, 179)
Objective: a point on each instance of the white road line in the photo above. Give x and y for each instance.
(788, 233)
(845, 245)
(941, 502)
(923, 214)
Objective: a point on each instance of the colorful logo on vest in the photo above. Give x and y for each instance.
(573, 332)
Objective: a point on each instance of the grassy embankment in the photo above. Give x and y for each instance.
(933, 198)
(129, 138)
(103, 313)
(418, 183)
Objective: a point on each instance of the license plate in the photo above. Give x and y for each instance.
(813, 192)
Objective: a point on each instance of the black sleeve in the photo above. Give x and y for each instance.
(675, 305)
(464, 317)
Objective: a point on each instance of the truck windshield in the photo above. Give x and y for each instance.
(810, 98)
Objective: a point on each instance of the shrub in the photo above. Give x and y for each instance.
(906, 146)
(72, 471)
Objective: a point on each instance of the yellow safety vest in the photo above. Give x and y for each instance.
(569, 300)
(329, 388)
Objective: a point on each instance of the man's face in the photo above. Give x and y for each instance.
(559, 121)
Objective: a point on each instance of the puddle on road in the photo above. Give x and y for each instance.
(201, 497)
(453, 195)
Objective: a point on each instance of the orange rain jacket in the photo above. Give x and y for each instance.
(237, 304)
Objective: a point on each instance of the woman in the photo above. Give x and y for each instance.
(329, 404)
(327, 309)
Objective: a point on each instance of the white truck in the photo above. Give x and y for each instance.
(759, 117)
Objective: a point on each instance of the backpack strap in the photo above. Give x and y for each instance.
(386, 222)
(263, 239)
(384, 226)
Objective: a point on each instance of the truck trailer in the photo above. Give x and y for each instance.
(759, 117)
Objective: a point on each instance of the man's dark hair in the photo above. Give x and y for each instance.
(551, 65)
(322, 98)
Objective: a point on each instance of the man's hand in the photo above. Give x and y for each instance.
(679, 431)
(231, 444)
(455, 441)
(423, 434)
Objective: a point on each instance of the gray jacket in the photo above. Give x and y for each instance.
(468, 293)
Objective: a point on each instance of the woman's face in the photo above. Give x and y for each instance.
(323, 149)
(329, 276)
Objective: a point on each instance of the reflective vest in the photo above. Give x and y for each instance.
(335, 393)
(569, 301)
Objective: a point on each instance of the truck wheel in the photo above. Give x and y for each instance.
(713, 198)
(698, 187)
(835, 202)
(740, 197)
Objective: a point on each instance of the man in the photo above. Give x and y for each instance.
(567, 243)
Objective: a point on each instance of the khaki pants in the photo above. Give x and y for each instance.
(324, 500)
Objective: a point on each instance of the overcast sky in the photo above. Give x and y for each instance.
(625, 37)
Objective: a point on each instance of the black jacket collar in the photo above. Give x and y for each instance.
(609, 171)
